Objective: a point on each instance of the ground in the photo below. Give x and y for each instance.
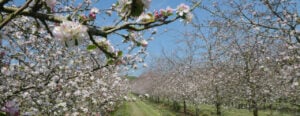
(141, 108)
(147, 108)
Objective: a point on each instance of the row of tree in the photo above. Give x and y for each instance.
(58, 56)
(246, 55)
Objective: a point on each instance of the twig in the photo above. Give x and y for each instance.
(14, 14)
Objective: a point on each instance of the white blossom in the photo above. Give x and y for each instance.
(144, 43)
(95, 10)
(70, 31)
(182, 9)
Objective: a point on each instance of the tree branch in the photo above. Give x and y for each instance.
(101, 48)
(2, 2)
(92, 29)
(14, 14)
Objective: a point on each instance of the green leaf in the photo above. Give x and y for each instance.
(22, 68)
(2, 114)
(138, 44)
(152, 19)
(1, 18)
(120, 53)
(91, 47)
(137, 8)
(48, 9)
(110, 61)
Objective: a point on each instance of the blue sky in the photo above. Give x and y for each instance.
(167, 34)
(163, 39)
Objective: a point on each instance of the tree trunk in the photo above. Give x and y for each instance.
(271, 110)
(249, 105)
(184, 107)
(197, 111)
(255, 108)
(218, 102)
(174, 105)
(218, 106)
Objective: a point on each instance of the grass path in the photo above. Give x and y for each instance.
(146, 108)
(141, 108)
(135, 110)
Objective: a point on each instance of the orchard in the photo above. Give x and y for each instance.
(70, 57)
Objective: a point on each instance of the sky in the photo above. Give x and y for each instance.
(166, 36)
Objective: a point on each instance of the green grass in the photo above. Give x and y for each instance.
(123, 110)
(147, 109)
(131, 78)
(164, 108)
(244, 112)
(141, 108)
(209, 110)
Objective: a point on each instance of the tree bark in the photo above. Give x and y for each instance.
(174, 105)
(184, 107)
(271, 110)
(255, 108)
(218, 106)
(197, 111)
(218, 102)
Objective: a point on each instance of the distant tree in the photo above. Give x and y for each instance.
(57, 56)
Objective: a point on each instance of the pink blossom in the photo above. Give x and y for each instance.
(51, 3)
(163, 13)
(144, 43)
(92, 16)
(169, 10)
(2, 54)
(157, 14)
(11, 108)
(93, 13)
(182, 9)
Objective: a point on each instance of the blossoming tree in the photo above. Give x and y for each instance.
(249, 58)
(58, 57)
